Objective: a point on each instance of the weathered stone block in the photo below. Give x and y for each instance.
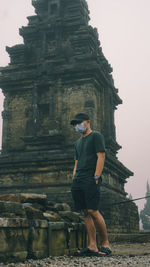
(33, 213)
(72, 240)
(70, 216)
(82, 237)
(62, 207)
(24, 198)
(37, 248)
(52, 216)
(33, 198)
(59, 243)
(11, 207)
(13, 244)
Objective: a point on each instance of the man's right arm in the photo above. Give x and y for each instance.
(75, 167)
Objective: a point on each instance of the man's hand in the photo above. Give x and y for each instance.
(96, 179)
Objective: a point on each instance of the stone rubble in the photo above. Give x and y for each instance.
(114, 261)
(36, 206)
(37, 227)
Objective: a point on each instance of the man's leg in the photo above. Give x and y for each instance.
(100, 225)
(91, 230)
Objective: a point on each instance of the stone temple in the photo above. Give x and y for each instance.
(58, 71)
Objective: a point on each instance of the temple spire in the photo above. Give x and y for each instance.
(58, 71)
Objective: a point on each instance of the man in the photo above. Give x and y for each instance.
(89, 162)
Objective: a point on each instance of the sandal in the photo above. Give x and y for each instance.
(86, 252)
(107, 252)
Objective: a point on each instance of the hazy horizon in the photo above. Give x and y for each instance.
(123, 28)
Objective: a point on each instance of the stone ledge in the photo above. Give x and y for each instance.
(38, 238)
(139, 237)
(21, 222)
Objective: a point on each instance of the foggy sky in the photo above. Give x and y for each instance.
(123, 27)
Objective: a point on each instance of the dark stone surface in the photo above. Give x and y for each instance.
(62, 207)
(9, 207)
(33, 213)
(70, 216)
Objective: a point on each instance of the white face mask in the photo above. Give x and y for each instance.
(80, 128)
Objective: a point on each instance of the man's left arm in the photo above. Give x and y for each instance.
(99, 164)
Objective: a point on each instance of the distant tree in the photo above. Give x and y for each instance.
(145, 213)
(130, 197)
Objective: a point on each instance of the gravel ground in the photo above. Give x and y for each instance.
(114, 261)
(123, 256)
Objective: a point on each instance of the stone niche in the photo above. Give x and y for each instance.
(58, 71)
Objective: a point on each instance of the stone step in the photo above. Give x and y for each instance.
(139, 237)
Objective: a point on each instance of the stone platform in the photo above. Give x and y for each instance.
(36, 239)
(32, 227)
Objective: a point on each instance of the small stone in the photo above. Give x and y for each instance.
(11, 207)
(70, 216)
(33, 213)
(62, 207)
(33, 198)
(52, 216)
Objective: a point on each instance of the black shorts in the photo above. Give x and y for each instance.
(86, 193)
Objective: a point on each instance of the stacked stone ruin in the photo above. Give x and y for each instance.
(58, 71)
(31, 226)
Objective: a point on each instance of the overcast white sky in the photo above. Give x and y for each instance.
(123, 27)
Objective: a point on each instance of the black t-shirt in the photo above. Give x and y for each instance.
(85, 152)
